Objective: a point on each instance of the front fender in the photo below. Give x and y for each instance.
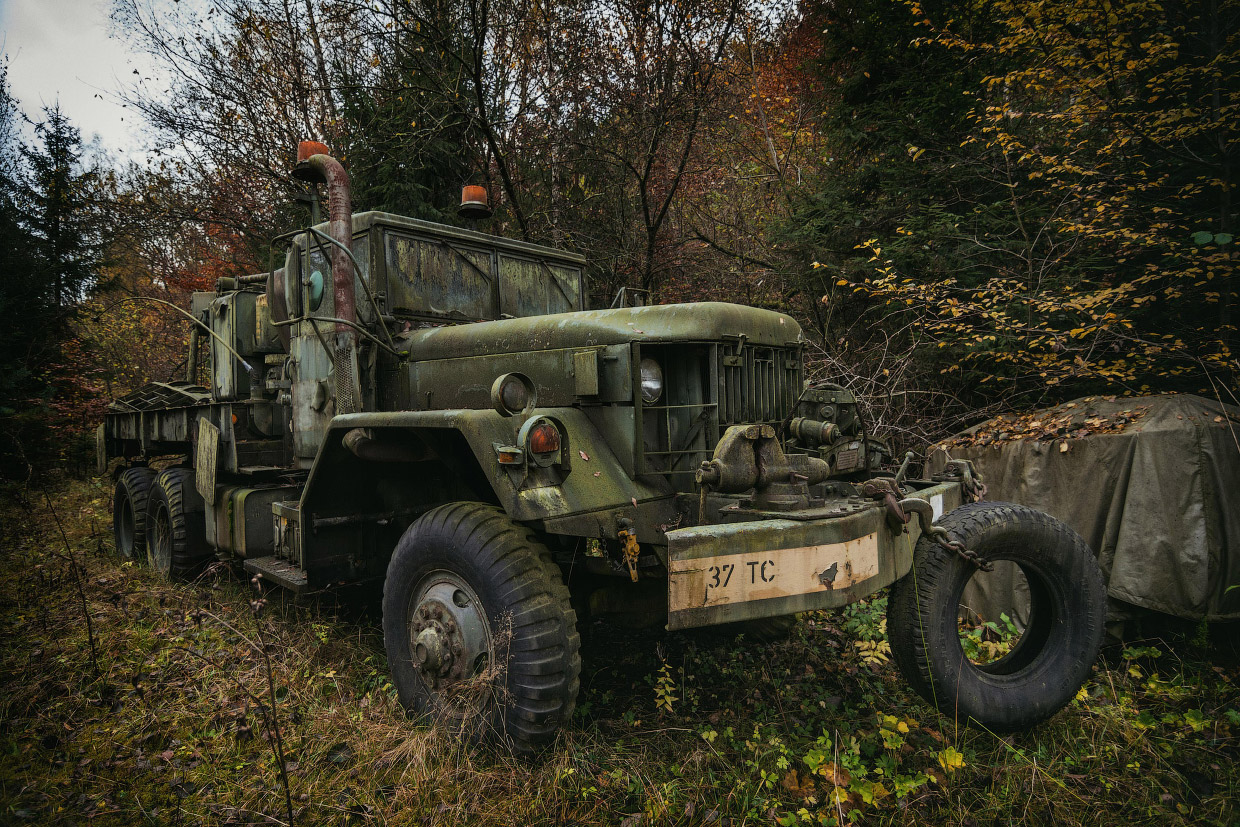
(594, 480)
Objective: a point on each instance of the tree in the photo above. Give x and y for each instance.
(52, 237)
(62, 216)
(1114, 126)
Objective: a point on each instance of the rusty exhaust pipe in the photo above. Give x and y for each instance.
(316, 165)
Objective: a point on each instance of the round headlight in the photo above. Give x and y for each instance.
(652, 380)
(512, 393)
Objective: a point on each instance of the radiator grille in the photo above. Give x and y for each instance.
(709, 387)
(757, 384)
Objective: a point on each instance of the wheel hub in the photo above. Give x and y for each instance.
(437, 643)
(448, 633)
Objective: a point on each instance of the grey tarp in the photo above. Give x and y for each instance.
(1151, 483)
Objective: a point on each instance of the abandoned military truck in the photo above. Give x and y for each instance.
(436, 407)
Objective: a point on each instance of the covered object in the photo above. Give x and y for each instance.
(1151, 483)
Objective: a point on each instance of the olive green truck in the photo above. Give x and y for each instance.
(436, 407)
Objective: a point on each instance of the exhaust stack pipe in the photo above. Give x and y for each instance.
(316, 165)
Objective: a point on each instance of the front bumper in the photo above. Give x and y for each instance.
(769, 568)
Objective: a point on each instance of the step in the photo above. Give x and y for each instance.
(281, 572)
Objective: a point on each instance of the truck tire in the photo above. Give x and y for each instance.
(129, 506)
(176, 540)
(1054, 654)
(479, 629)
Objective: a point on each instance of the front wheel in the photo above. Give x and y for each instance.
(478, 627)
(1043, 669)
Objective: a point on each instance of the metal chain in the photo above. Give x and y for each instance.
(940, 536)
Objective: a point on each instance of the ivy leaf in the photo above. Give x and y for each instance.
(1222, 238)
(1203, 237)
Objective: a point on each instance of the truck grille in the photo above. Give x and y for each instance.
(759, 384)
(708, 387)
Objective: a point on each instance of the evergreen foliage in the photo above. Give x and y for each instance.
(52, 236)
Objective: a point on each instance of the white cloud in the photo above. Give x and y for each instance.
(61, 50)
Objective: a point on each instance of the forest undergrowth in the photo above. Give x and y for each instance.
(174, 703)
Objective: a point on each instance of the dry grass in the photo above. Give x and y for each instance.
(173, 730)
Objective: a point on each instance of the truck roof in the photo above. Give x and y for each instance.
(697, 321)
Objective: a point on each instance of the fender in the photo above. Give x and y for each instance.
(593, 478)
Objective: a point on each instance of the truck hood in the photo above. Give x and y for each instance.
(695, 322)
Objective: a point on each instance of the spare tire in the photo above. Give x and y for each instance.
(1057, 649)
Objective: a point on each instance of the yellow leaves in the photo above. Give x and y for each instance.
(950, 760)
(873, 652)
(836, 775)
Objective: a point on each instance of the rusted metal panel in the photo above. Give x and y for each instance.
(803, 552)
(429, 271)
(434, 277)
(206, 459)
(702, 582)
(717, 574)
(536, 287)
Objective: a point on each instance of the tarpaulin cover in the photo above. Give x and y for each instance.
(1151, 483)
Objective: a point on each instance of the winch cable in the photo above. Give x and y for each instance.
(224, 344)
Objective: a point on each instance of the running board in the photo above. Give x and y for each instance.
(278, 571)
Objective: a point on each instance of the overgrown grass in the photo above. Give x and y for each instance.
(671, 729)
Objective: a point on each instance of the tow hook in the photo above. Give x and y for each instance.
(888, 490)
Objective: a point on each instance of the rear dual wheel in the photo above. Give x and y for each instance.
(159, 519)
(176, 538)
(1058, 646)
(129, 506)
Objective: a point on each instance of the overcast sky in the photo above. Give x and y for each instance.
(61, 50)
